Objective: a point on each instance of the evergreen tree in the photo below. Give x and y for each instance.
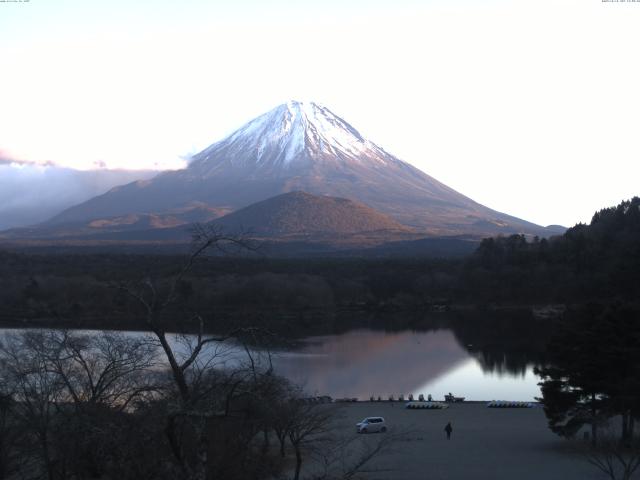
(593, 371)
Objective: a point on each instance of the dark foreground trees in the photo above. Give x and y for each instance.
(203, 399)
(68, 399)
(593, 372)
(617, 460)
(153, 406)
(97, 405)
(592, 378)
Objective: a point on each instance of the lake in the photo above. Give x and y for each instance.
(362, 363)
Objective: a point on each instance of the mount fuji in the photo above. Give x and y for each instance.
(302, 147)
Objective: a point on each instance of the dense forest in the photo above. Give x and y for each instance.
(596, 262)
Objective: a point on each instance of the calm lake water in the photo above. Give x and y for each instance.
(362, 363)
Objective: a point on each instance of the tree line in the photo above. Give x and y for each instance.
(599, 261)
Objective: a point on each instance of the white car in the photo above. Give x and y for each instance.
(371, 424)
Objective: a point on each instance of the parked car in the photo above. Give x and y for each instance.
(371, 424)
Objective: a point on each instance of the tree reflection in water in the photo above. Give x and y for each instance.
(459, 351)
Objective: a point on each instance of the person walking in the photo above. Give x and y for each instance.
(448, 429)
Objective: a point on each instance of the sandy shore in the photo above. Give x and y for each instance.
(486, 443)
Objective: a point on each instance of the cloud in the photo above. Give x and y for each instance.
(32, 193)
(8, 159)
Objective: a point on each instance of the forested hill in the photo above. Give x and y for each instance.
(601, 259)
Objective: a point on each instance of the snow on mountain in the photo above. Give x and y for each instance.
(304, 147)
(291, 135)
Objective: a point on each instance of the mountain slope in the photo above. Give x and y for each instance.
(302, 213)
(31, 193)
(304, 147)
(121, 226)
(295, 223)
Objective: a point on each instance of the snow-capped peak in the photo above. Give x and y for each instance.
(292, 132)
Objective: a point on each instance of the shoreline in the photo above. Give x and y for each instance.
(466, 402)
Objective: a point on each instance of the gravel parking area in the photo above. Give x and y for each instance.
(487, 443)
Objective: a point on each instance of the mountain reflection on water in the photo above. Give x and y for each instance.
(476, 356)
(361, 363)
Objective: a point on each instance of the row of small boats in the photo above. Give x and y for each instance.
(426, 405)
(491, 404)
(429, 404)
(509, 404)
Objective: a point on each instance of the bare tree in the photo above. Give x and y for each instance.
(36, 392)
(349, 457)
(99, 406)
(309, 423)
(70, 392)
(107, 368)
(314, 432)
(617, 459)
(280, 422)
(155, 301)
(195, 388)
(10, 431)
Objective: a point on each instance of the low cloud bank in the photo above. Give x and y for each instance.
(31, 193)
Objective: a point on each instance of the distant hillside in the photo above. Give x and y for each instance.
(30, 194)
(299, 213)
(133, 226)
(295, 216)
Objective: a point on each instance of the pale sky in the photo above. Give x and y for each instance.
(530, 107)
